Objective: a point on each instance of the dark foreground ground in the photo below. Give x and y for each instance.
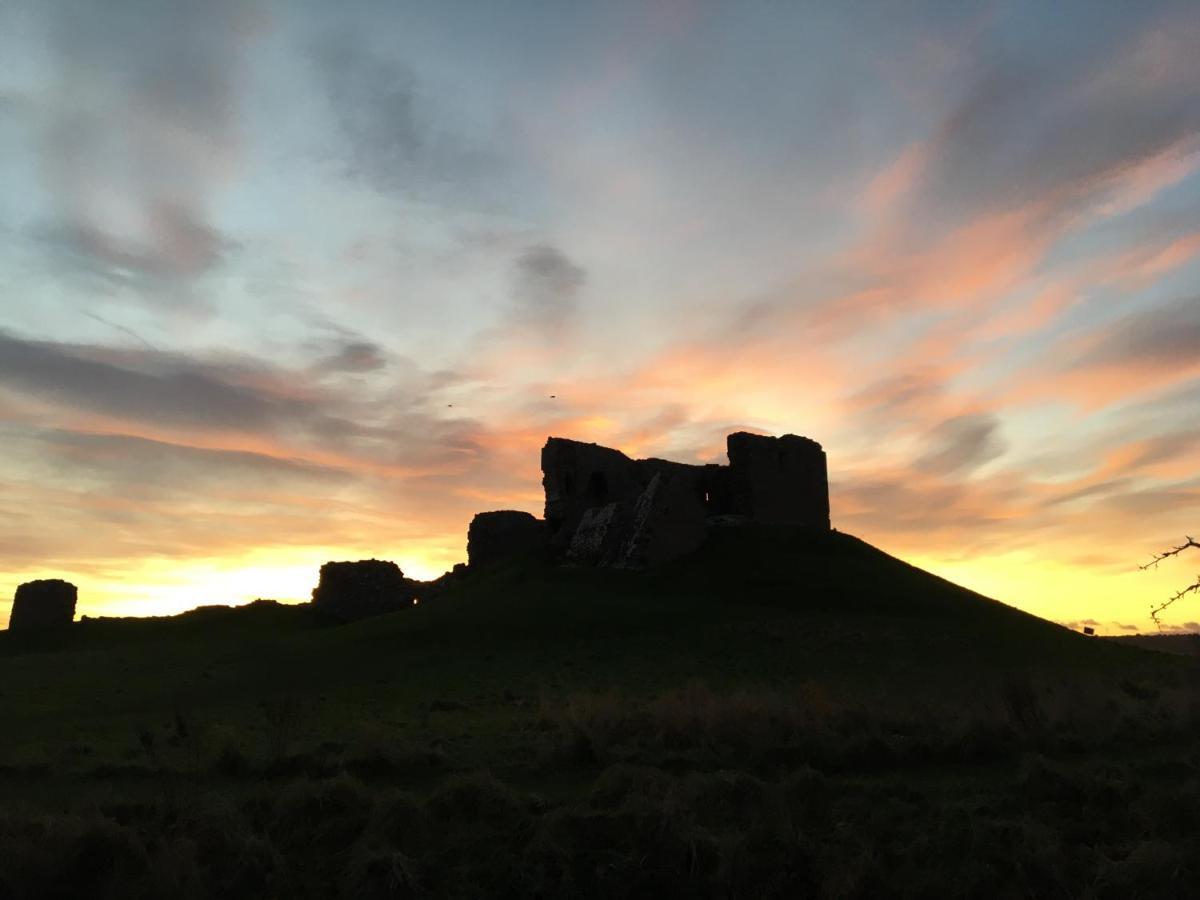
(785, 715)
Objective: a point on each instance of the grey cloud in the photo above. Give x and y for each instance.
(902, 392)
(182, 246)
(1185, 628)
(167, 389)
(140, 465)
(906, 397)
(132, 172)
(1147, 414)
(900, 504)
(115, 496)
(397, 140)
(355, 356)
(1152, 501)
(546, 286)
(1169, 446)
(410, 435)
(1099, 490)
(1052, 128)
(375, 103)
(395, 423)
(1159, 337)
(962, 444)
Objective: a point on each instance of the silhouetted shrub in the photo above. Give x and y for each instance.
(377, 752)
(281, 717)
(315, 824)
(1151, 869)
(71, 856)
(617, 783)
(1022, 704)
(477, 800)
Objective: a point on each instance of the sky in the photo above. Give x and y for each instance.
(285, 282)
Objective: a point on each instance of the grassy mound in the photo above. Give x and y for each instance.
(784, 713)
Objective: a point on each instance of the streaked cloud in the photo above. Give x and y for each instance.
(962, 444)
(1166, 336)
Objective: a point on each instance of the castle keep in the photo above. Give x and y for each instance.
(603, 508)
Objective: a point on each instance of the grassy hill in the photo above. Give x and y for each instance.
(758, 607)
(571, 722)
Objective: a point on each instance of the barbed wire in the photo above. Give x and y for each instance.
(1156, 611)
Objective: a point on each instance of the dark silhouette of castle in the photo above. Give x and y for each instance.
(603, 508)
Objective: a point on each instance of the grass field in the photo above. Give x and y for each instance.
(785, 714)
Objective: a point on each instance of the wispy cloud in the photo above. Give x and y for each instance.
(397, 137)
(546, 286)
(962, 444)
(140, 131)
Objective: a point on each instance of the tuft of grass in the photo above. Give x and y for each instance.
(377, 752)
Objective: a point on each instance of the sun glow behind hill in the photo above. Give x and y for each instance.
(1051, 590)
(159, 587)
(1069, 594)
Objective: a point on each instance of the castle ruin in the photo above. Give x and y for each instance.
(603, 508)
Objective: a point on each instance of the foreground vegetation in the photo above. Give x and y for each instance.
(786, 715)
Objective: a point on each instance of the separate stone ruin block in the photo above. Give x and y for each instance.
(780, 480)
(48, 603)
(497, 536)
(348, 591)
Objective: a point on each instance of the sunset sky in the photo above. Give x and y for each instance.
(285, 282)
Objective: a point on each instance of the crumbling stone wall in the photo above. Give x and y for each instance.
(47, 603)
(356, 590)
(503, 534)
(577, 477)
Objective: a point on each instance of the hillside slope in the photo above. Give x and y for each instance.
(785, 713)
(756, 607)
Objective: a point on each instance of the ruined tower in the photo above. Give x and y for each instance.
(778, 480)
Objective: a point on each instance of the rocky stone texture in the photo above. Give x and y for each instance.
(597, 538)
(49, 603)
(668, 521)
(497, 536)
(355, 590)
(778, 480)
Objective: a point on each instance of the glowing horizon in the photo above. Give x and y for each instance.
(284, 284)
(167, 587)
